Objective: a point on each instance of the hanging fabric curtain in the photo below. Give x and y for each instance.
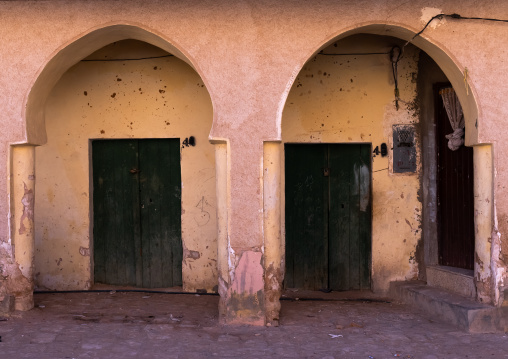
(456, 116)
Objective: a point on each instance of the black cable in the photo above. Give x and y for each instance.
(141, 58)
(395, 54)
(451, 16)
(457, 16)
(355, 54)
(438, 16)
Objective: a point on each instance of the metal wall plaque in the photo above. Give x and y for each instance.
(404, 149)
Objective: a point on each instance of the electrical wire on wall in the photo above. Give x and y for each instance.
(128, 59)
(395, 54)
(438, 16)
(451, 16)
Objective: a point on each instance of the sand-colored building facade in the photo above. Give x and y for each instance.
(244, 87)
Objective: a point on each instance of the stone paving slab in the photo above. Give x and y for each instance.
(138, 325)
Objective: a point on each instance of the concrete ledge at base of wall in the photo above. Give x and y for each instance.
(7, 305)
(451, 308)
(455, 280)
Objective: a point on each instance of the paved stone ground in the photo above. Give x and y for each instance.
(148, 325)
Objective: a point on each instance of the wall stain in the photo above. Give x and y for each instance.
(193, 254)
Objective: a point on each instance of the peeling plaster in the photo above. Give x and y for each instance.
(496, 265)
(13, 283)
(28, 211)
(273, 278)
(428, 13)
(9, 223)
(84, 251)
(231, 261)
(245, 296)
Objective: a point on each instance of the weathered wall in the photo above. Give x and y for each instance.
(152, 98)
(248, 53)
(350, 99)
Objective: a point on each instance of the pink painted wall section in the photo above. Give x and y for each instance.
(245, 298)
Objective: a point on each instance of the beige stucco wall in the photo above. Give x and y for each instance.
(248, 54)
(152, 98)
(350, 99)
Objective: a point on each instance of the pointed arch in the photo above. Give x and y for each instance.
(483, 170)
(446, 61)
(75, 50)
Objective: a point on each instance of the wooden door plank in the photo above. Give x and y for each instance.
(174, 202)
(149, 183)
(113, 220)
(340, 164)
(136, 218)
(170, 211)
(101, 187)
(125, 159)
(365, 216)
(160, 218)
(350, 217)
(306, 216)
(353, 152)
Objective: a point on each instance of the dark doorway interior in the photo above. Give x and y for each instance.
(455, 195)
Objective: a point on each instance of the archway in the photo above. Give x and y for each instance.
(349, 103)
(115, 85)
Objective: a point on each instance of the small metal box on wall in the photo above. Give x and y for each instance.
(404, 149)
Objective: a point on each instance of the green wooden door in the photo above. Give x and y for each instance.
(328, 216)
(137, 212)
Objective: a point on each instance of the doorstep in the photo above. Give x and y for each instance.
(456, 280)
(452, 308)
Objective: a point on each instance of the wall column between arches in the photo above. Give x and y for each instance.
(273, 249)
(22, 221)
(223, 199)
(239, 239)
(483, 197)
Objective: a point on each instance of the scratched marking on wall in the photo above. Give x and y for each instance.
(203, 217)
